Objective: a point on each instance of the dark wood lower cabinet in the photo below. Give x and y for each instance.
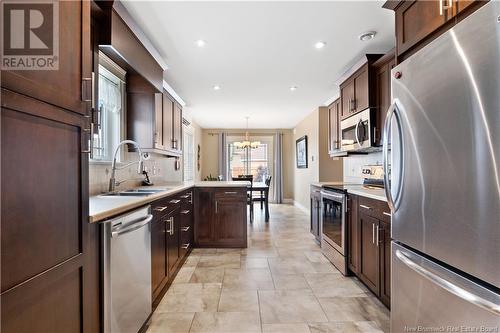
(50, 275)
(353, 235)
(315, 227)
(369, 253)
(158, 263)
(369, 245)
(220, 217)
(385, 263)
(172, 219)
(173, 241)
(229, 214)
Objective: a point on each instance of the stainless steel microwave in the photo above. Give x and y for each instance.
(355, 133)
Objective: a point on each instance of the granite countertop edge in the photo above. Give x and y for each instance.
(103, 207)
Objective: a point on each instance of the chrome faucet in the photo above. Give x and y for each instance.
(112, 181)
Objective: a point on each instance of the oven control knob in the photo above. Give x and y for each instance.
(398, 75)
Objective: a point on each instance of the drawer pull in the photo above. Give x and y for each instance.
(185, 246)
(185, 228)
(174, 201)
(185, 212)
(365, 207)
(185, 196)
(160, 209)
(388, 214)
(230, 192)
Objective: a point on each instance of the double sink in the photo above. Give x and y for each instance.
(135, 192)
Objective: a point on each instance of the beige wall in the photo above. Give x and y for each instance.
(210, 154)
(198, 140)
(320, 166)
(303, 177)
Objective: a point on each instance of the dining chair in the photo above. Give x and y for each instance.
(248, 178)
(261, 197)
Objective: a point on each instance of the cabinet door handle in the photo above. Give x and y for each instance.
(185, 228)
(170, 221)
(185, 196)
(230, 192)
(373, 233)
(185, 212)
(377, 231)
(160, 208)
(185, 246)
(387, 214)
(365, 207)
(216, 210)
(174, 201)
(443, 6)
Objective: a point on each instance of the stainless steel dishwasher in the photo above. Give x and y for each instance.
(126, 242)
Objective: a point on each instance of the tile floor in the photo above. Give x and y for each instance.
(280, 284)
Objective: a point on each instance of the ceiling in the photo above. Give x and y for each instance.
(256, 51)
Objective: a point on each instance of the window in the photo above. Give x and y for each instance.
(109, 115)
(250, 161)
(188, 154)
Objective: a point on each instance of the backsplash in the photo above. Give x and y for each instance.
(99, 173)
(354, 163)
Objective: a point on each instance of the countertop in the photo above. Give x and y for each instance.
(373, 193)
(102, 207)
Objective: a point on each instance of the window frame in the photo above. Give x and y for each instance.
(111, 68)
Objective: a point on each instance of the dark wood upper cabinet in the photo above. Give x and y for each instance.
(71, 85)
(357, 92)
(152, 119)
(334, 115)
(383, 68)
(347, 97)
(177, 127)
(119, 43)
(420, 21)
(168, 116)
(361, 91)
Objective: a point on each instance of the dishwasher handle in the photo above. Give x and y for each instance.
(136, 225)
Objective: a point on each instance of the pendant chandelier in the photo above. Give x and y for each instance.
(247, 143)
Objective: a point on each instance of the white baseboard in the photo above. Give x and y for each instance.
(288, 201)
(302, 208)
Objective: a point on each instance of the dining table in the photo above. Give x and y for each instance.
(263, 189)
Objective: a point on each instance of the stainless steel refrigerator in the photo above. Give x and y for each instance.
(442, 156)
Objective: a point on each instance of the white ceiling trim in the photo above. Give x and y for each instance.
(172, 92)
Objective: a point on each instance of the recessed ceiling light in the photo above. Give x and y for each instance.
(200, 43)
(216, 87)
(320, 45)
(367, 35)
(293, 88)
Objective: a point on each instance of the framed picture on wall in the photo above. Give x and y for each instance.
(301, 152)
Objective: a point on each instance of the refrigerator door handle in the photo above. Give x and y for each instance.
(385, 152)
(475, 294)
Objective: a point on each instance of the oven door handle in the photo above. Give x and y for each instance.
(333, 196)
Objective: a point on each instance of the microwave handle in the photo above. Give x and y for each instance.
(356, 131)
